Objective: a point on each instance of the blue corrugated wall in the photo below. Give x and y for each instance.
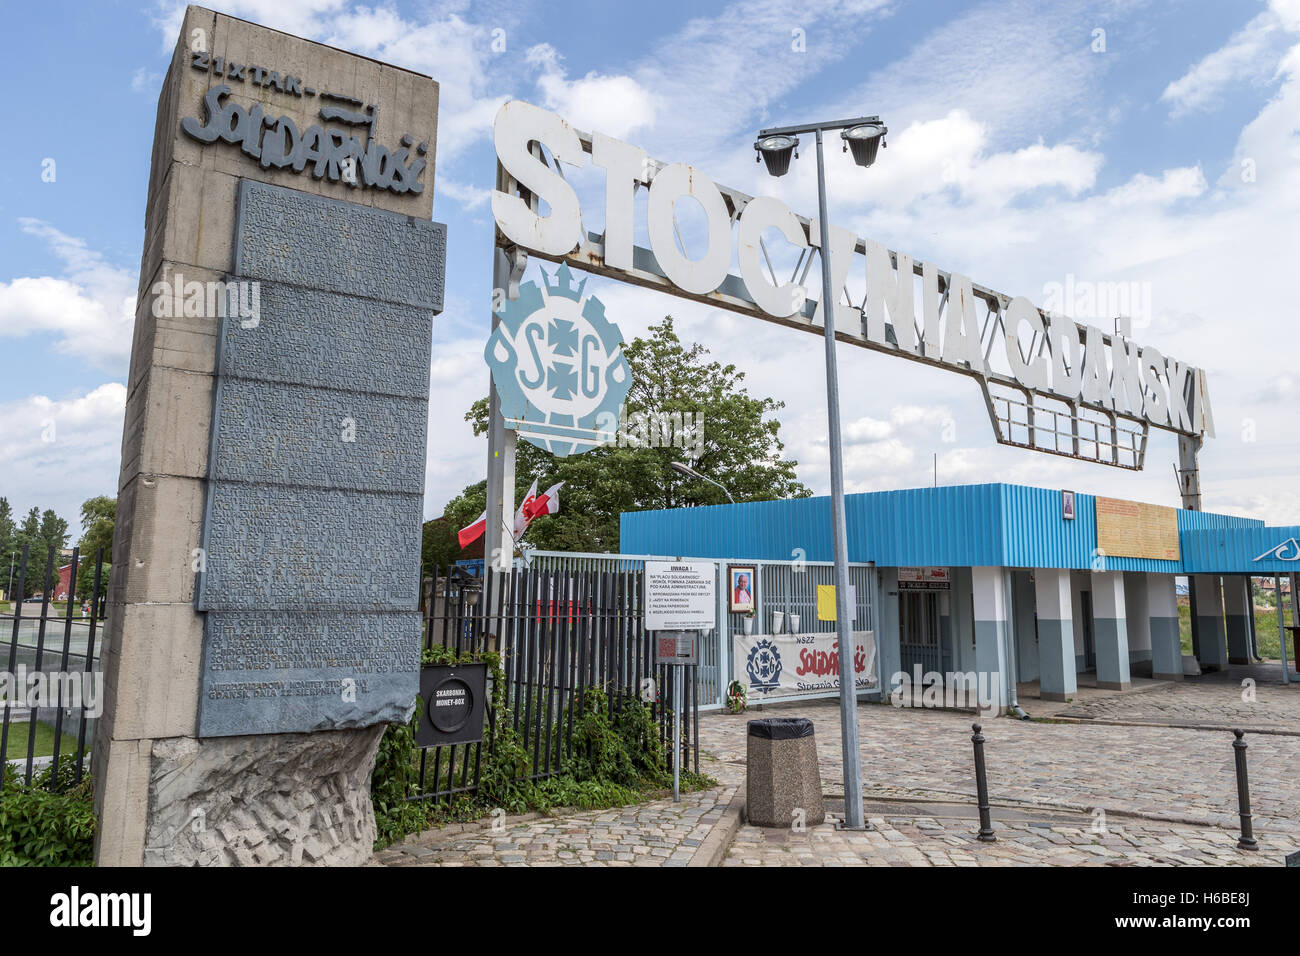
(956, 526)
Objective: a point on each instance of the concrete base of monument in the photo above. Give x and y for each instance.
(266, 800)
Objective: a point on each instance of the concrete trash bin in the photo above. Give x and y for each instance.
(781, 774)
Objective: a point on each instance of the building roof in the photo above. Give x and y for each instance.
(994, 525)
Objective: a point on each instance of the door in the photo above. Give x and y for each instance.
(918, 631)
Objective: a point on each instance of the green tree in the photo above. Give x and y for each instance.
(98, 519)
(29, 536)
(739, 446)
(53, 535)
(8, 545)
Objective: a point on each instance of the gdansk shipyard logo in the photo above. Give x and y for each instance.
(558, 365)
(278, 143)
(1288, 550)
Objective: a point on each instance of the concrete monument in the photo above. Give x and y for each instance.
(262, 624)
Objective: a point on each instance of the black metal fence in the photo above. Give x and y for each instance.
(560, 634)
(52, 689)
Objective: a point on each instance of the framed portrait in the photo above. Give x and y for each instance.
(740, 588)
(1067, 505)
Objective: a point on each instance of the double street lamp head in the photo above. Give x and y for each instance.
(775, 151)
(865, 140)
(864, 136)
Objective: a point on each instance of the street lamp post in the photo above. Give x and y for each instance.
(863, 135)
(690, 472)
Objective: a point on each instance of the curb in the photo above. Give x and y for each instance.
(713, 850)
(1173, 725)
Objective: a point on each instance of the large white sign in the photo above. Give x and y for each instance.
(936, 323)
(680, 595)
(775, 665)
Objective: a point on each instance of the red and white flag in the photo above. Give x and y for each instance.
(533, 506)
(547, 503)
(522, 516)
(472, 532)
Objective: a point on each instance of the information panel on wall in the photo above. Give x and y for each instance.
(1134, 529)
(680, 596)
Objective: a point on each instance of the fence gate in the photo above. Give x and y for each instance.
(561, 633)
(53, 687)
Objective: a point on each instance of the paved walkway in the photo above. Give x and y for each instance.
(1180, 775)
(659, 833)
(1251, 699)
(1138, 781)
(938, 836)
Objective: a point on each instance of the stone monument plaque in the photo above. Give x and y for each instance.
(311, 530)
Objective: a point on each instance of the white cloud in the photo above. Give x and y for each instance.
(1173, 184)
(58, 452)
(145, 80)
(1248, 56)
(614, 105)
(89, 309)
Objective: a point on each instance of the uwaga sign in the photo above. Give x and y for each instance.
(277, 143)
(1045, 355)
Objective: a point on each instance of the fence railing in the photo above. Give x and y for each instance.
(52, 686)
(560, 633)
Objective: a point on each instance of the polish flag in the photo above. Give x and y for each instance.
(472, 532)
(523, 515)
(547, 503)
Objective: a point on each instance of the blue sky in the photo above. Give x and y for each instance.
(1020, 153)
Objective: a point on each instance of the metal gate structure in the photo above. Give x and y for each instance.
(786, 586)
(561, 631)
(50, 745)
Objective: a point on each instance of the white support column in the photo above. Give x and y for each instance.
(1056, 664)
(1138, 618)
(1237, 607)
(1110, 630)
(991, 635)
(1211, 636)
(1162, 616)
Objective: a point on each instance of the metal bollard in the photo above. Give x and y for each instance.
(1247, 841)
(982, 787)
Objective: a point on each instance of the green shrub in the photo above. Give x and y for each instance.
(614, 757)
(50, 823)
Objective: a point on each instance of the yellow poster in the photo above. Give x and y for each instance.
(825, 602)
(1134, 529)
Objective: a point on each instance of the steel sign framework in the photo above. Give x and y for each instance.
(1049, 383)
(1067, 389)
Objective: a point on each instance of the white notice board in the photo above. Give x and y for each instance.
(680, 596)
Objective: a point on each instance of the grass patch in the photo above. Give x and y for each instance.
(1266, 632)
(18, 737)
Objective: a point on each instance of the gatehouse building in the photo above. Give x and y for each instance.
(1046, 586)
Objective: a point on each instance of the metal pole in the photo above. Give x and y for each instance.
(853, 817)
(1281, 629)
(986, 834)
(1247, 841)
(677, 734)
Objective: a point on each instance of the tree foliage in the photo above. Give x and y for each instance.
(740, 448)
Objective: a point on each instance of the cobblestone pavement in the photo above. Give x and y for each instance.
(659, 833)
(1215, 700)
(932, 839)
(1168, 790)
(1178, 775)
